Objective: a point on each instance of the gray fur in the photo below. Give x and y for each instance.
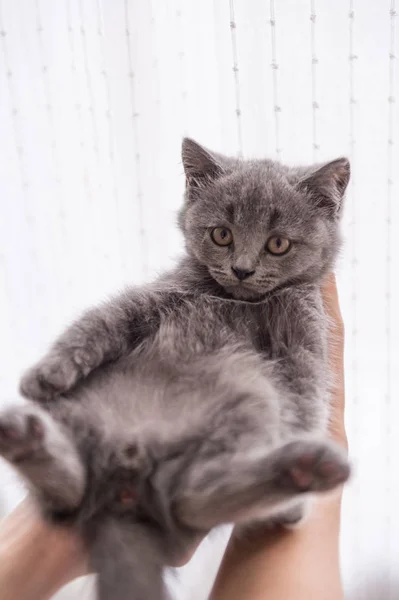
(212, 398)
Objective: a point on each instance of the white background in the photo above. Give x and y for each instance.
(95, 96)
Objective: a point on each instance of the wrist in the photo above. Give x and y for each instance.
(36, 559)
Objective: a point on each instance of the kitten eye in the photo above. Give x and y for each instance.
(222, 236)
(278, 245)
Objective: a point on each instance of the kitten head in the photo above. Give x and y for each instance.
(257, 225)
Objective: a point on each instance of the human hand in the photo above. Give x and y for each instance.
(336, 340)
(47, 556)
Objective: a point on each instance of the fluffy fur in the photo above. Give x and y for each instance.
(212, 397)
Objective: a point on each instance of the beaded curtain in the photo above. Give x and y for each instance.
(95, 96)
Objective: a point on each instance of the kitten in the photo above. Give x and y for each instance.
(212, 399)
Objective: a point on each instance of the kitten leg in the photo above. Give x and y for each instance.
(102, 334)
(79, 350)
(245, 488)
(38, 449)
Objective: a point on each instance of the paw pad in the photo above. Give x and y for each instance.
(313, 467)
(21, 434)
(302, 478)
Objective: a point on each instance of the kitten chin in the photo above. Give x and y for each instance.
(244, 292)
(239, 292)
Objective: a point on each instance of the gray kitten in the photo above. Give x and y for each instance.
(211, 403)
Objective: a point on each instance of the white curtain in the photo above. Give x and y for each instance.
(95, 96)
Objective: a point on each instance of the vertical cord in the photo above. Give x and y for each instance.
(275, 69)
(136, 139)
(388, 286)
(89, 84)
(14, 112)
(354, 261)
(315, 62)
(182, 66)
(111, 135)
(233, 30)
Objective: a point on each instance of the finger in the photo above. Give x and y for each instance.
(331, 300)
(336, 357)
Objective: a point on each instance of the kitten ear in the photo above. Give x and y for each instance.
(200, 165)
(327, 185)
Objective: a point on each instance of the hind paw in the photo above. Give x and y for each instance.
(312, 467)
(22, 434)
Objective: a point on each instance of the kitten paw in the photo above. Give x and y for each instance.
(294, 517)
(21, 434)
(312, 467)
(57, 374)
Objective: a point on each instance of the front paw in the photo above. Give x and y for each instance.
(55, 375)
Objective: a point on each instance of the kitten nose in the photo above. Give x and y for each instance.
(242, 274)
